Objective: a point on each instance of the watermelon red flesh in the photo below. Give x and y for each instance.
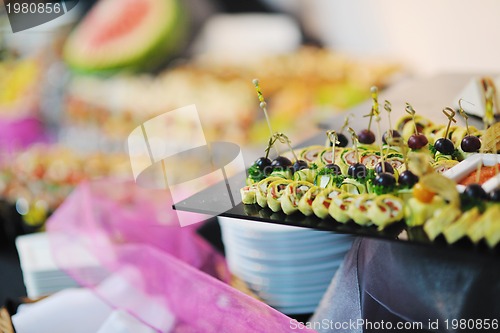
(129, 17)
(125, 34)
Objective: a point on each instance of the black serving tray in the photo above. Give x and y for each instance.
(398, 232)
(212, 200)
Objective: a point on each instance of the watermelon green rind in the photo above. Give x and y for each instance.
(163, 47)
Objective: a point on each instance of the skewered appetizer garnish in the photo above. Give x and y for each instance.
(366, 136)
(397, 178)
(445, 145)
(417, 140)
(469, 143)
(407, 123)
(342, 140)
(390, 133)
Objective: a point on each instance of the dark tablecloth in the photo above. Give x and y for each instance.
(404, 283)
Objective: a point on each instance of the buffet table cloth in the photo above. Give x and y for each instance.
(172, 272)
(403, 283)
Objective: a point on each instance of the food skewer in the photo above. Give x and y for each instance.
(470, 143)
(391, 133)
(406, 178)
(416, 140)
(379, 132)
(489, 105)
(366, 136)
(333, 138)
(285, 140)
(384, 181)
(445, 145)
(475, 190)
(263, 106)
(358, 169)
(490, 118)
(263, 166)
(343, 141)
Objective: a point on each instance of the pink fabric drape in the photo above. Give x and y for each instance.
(20, 132)
(134, 236)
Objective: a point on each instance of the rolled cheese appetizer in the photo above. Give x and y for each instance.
(417, 212)
(444, 165)
(322, 202)
(262, 187)
(492, 226)
(307, 175)
(324, 181)
(441, 219)
(285, 174)
(406, 128)
(455, 134)
(292, 195)
(249, 194)
(347, 158)
(459, 228)
(370, 158)
(325, 157)
(386, 210)
(310, 154)
(339, 207)
(396, 160)
(358, 210)
(275, 192)
(353, 186)
(305, 203)
(486, 227)
(430, 132)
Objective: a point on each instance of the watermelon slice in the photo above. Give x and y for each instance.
(126, 35)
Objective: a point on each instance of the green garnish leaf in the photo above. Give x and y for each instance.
(456, 155)
(255, 174)
(379, 189)
(432, 149)
(325, 171)
(338, 180)
(370, 176)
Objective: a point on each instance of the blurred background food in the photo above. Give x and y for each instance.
(86, 79)
(36, 180)
(300, 87)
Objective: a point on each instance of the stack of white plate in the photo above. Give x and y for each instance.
(290, 268)
(41, 274)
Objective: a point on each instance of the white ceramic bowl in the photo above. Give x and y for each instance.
(464, 168)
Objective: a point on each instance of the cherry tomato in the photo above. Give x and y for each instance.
(422, 194)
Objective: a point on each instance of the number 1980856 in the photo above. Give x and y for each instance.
(33, 8)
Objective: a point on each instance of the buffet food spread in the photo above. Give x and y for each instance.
(37, 180)
(429, 180)
(408, 174)
(303, 87)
